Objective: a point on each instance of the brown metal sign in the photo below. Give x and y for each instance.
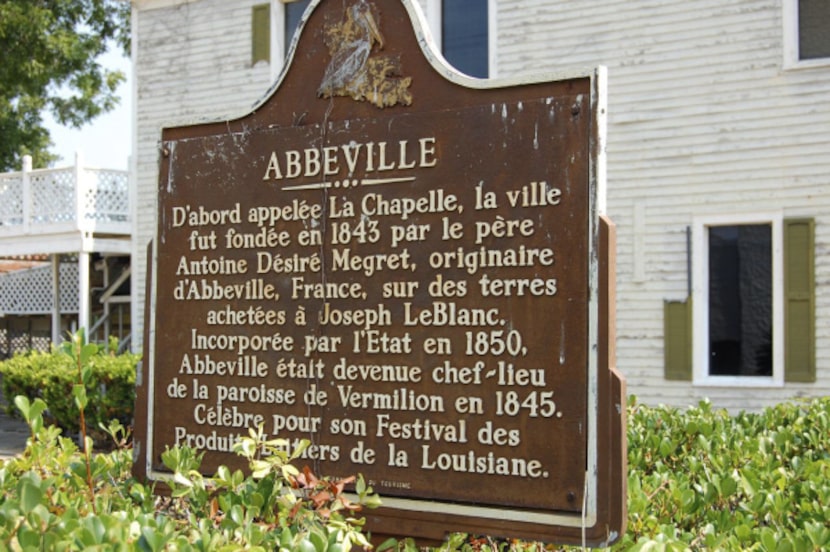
(405, 267)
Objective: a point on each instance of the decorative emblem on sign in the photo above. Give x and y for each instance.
(355, 68)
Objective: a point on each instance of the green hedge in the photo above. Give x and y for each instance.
(50, 376)
(705, 480)
(699, 479)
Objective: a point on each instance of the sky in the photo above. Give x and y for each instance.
(106, 142)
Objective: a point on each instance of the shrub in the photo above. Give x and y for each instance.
(51, 376)
(45, 503)
(699, 479)
(702, 479)
(56, 498)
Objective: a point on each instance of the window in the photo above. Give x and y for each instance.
(293, 12)
(813, 29)
(737, 300)
(462, 30)
(464, 36)
(279, 19)
(750, 316)
(806, 33)
(740, 300)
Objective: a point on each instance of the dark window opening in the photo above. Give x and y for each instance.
(813, 29)
(740, 300)
(293, 13)
(464, 36)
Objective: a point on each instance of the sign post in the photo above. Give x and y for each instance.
(406, 267)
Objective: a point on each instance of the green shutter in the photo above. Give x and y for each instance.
(800, 301)
(261, 33)
(677, 332)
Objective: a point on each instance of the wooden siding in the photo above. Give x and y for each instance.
(704, 120)
(192, 63)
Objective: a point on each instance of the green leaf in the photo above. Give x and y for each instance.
(79, 392)
(152, 538)
(319, 541)
(28, 539)
(237, 514)
(180, 479)
(769, 542)
(23, 405)
(388, 544)
(87, 352)
(818, 533)
(728, 486)
(95, 529)
(39, 516)
(305, 545)
(372, 501)
(30, 411)
(285, 540)
(31, 494)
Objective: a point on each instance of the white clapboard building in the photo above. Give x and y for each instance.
(718, 160)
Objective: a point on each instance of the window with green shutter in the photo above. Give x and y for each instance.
(751, 317)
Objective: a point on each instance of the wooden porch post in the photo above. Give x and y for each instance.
(56, 298)
(83, 255)
(83, 292)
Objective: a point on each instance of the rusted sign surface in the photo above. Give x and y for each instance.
(404, 267)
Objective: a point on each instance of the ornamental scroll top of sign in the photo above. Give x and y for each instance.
(406, 267)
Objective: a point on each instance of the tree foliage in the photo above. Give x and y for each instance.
(51, 52)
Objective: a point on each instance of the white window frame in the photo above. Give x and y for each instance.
(790, 40)
(700, 300)
(433, 16)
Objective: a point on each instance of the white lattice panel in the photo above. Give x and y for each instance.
(15, 341)
(108, 197)
(53, 196)
(11, 199)
(30, 291)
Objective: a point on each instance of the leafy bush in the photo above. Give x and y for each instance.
(699, 479)
(56, 498)
(45, 503)
(110, 384)
(705, 480)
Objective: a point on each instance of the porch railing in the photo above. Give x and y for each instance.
(45, 201)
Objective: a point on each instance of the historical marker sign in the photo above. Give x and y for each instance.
(406, 267)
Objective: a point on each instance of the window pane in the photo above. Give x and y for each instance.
(293, 13)
(740, 300)
(464, 35)
(813, 29)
